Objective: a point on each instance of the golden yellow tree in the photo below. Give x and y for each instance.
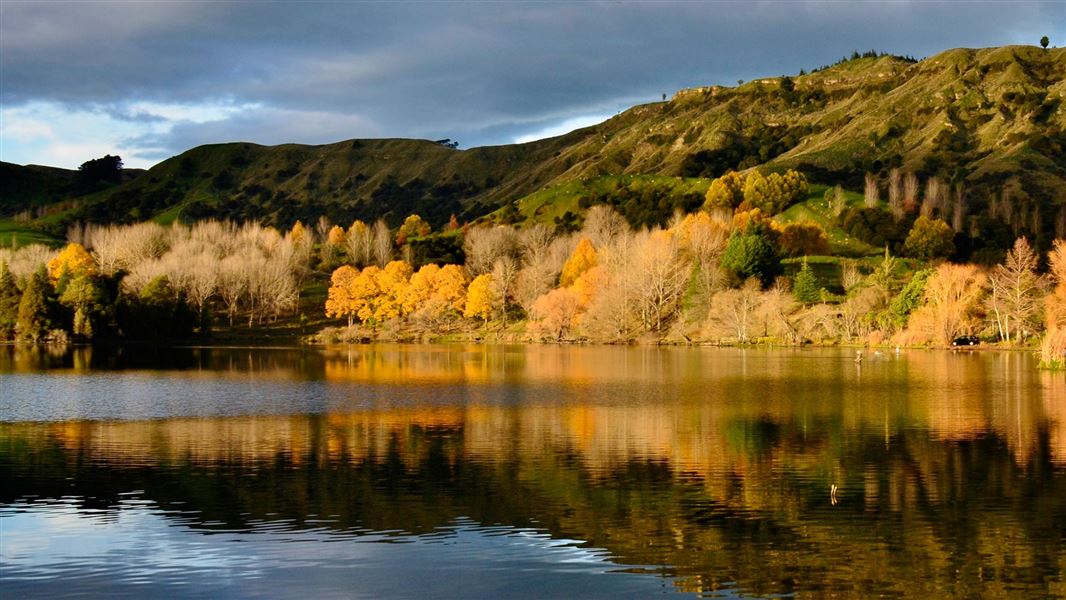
(951, 304)
(421, 288)
(365, 293)
(73, 261)
(336, 236)
(481, 298)
(587, 285)
(450, 286)
(392, 284)
(583, 259)
(298, 233)
(726, 191)
(339, 299)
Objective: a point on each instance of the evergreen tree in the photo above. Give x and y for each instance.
(751, 255)
(34, 319)
(9, 302)
(805, 286)
(84, 296)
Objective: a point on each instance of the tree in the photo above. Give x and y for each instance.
(1053, 346)
(483, 246)
(929, 238)
(413, 226)
(805, 287)
(909, 298)
(583, 259)
(360, 243)
(481, 298)
(733, 311)
(73, 261)
(871, 194)
(658, 278)
(804, 239)
(726, 191)
(34, 319)
(555, 313)
(1044, 42)
(92, 173)
(751, 255)
(10, 296)
(1015, 292)
(85, 297)
(339, 299)
(950, 304)
(382, 249)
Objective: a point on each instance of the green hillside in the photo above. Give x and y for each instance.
(992, 119)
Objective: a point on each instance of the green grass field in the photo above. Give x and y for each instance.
(18, 235)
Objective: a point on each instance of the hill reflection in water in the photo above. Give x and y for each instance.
(714, 465)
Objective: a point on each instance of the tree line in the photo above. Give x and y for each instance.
(728, 272)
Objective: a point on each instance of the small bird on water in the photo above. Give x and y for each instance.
(858, 356)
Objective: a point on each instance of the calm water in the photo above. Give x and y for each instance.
(459, 472)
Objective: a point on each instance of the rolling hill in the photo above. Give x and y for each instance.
(993, 119)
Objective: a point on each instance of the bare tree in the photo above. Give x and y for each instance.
(871, 194)
(382, 243)
(934, 197)
(603, 224)
(910, 192)
(1016, 291)
(483, 246)
(895, 194)
(733, 312)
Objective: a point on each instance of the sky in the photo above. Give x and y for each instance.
(148, 80)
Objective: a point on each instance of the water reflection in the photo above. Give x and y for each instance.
(715, 465)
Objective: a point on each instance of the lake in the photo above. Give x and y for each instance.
(529, 471)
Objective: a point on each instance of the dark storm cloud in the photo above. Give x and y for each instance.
(477, 72)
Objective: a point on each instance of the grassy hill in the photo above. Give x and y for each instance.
(993, 119)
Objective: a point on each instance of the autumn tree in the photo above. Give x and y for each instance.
(774, 192)
(951, 304)
(481, 298)
(555, 313)
(726, 192)
(332, 245)
(804, 239)
(73, 261)
(659, 275)
(583, 258)
(1015, 292)
(1053, 346)
(359, 243)
(413, 226)
(929, 239)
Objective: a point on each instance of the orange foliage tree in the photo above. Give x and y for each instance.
(73, 261)
(583, 259)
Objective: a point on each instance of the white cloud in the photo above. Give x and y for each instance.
(561, 128)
